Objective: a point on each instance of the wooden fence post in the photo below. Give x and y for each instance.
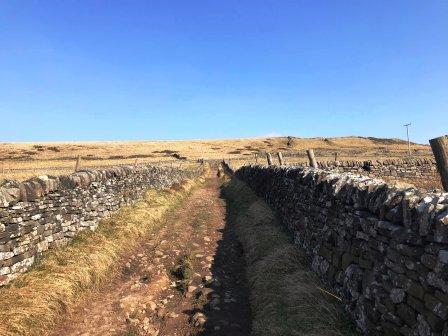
(256, 158)
(280, 158)
(78, 163)
(269, 158)
(336, 154)
(439, 148)
(311, 158)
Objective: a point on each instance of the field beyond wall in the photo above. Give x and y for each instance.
(24, 160)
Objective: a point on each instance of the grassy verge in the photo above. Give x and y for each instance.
(286, 298)
(34, 302)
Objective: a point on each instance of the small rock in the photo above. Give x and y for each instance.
(198, 319)
(161, 312)
(152, 305)
(152, 331)
(136, 286)
(206, 291)
(214, 302)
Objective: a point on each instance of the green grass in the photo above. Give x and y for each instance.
(183, 272)
(285, 295)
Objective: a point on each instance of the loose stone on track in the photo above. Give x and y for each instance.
(147, 298)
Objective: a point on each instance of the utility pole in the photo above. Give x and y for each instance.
(407, 134)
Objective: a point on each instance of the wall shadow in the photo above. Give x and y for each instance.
(225, 297)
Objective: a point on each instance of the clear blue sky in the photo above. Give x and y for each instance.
(106, 70)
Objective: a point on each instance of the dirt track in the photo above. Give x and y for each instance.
(152, 296)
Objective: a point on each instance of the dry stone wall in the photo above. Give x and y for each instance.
(383, 249)
(420, 172)
(45, 212)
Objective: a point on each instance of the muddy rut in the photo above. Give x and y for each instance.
(185, 279)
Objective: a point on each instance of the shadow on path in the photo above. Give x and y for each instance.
(226, 299)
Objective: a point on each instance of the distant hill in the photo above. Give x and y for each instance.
(35, 158)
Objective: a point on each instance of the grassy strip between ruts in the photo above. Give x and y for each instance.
(34, 302)
(286, 297)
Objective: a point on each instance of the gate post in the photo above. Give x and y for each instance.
(439, 147)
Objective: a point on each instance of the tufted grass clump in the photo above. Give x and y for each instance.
(33, 303)
(183, 273)
(286, 297)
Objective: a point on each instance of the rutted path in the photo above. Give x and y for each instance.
(187, 279)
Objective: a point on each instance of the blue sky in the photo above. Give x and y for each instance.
(116, 70)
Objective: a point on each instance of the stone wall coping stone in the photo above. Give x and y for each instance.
(374, 163)
(375, 195)
(12, 192)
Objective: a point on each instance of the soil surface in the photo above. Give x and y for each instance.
(186, 279)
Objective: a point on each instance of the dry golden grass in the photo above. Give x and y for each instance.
(35, 301)
(23, 160)
(286, 297)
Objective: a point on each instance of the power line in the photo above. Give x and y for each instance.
(407, 134)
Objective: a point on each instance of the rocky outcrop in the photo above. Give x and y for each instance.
(383, 249)
(48, 211)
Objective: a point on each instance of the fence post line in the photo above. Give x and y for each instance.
(311, 158)
(439, 148)
(269, 158)
(78, 163)
(280, 158)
